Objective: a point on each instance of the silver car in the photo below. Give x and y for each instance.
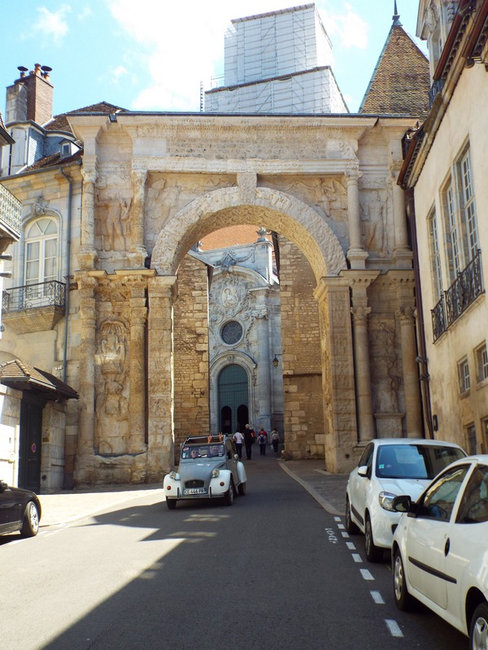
(209, 468)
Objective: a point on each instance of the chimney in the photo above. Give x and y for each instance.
(31, 96)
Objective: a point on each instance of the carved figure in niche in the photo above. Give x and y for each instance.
(392, 371)
(112, 347)
(332, 191)
(115, 224)
(373, 224)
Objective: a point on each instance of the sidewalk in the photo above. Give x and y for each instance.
(63, 507)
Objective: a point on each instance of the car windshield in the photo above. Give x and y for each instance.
(190, 452)
(414, 461)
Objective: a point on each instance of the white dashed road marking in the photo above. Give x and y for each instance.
(393, 627)
(366, 574)
(377, 597)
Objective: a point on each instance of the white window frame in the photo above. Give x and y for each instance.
(481, 356)
(435, 256)
(464, 375)
(41, 240)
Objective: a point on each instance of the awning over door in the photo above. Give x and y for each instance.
(22, 376)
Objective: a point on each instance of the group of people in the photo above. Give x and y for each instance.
(248, 437)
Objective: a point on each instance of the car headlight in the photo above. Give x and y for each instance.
(386, 500)
(174, 475)
(215, 473)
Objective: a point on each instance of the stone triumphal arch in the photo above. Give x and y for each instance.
(327, 187)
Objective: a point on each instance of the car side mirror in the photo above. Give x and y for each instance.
(402, 503)
(363, 471)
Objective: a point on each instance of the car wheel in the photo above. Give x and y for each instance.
(351, 527)
(373, 553)
(478, 629)
(403, 599)
(242, 489)
(30, 524)
(229, 495)
(171, 504)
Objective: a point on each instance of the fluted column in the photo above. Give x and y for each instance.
(138, 252)
(360, 281)
(85, 455)
(413, 415)
(160, 376)
(87, 255)
(137, 369)
(356, 254)
(263, 370)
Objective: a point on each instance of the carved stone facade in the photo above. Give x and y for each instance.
(143, 346)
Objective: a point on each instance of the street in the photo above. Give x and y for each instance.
(273, 571)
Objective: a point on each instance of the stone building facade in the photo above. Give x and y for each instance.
(133, 354)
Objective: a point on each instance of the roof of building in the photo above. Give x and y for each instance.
(400, 82)
(60, 122)
(5, 137)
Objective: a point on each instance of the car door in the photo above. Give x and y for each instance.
(9, 508)
(468, 537)
(429, 536)
(359, 486)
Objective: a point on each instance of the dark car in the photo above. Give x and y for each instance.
(20, 510)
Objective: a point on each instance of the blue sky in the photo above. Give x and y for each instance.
(152, 54)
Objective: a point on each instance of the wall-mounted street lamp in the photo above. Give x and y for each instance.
(276, 361)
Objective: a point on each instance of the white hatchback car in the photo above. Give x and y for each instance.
(440, 548)
(387, 468)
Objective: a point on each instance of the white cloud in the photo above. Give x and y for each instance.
(118, 72)
(349, 28)
(52, 25)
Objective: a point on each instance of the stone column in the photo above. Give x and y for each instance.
(413, 416)
(401, 249)
(137, 367)
(138, 251)
(360, 312)
(263, 370)
(332, 295)
(85, 453)
(356, 254)
(160, 376)
(87, 256)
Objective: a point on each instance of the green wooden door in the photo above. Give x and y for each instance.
(233, 399)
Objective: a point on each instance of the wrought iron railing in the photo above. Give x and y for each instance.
(439, 320)
(10, 212)
(32, 296)
(463, 292)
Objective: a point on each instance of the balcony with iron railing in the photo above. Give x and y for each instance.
(461, 294)
(34, 307)
(10, 218)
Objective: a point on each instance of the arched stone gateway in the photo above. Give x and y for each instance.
(261, 206)
(333, 362)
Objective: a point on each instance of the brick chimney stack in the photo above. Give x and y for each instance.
(31, 96)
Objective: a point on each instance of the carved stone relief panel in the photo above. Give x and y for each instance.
(113, 205)
(168, 193)
(112, 384)
(375, 227)
(386, 375)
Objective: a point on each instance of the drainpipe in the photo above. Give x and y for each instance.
(68, 270)
(422, 358)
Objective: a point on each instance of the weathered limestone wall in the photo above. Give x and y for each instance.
(191, 365)
(9, 433)
(302, 371)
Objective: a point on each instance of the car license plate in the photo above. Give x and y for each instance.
(195, 491)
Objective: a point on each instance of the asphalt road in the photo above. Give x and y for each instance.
(275, 570)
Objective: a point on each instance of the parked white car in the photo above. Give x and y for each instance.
(209, 468)
(440, 548)
(387, 468)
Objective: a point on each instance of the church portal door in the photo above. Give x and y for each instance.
(233, 399)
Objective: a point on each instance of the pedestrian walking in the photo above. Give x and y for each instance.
(239, 440)
(249, 440)
(262, 440)
(275, 440)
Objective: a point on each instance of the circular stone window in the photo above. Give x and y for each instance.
(231, 332)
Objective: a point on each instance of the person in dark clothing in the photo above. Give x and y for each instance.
(249, 439)
(262, 439)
